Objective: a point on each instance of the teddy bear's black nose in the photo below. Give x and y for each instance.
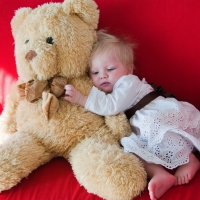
(30, 55)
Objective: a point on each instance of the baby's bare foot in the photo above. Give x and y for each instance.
(159, 184)
(186, 172)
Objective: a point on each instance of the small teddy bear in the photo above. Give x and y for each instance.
(53, 43)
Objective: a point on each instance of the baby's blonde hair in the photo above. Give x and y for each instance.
(120, 48)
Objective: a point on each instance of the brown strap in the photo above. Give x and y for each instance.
(158, 91)
(143, 102)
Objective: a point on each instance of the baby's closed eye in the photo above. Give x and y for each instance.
(94, 73)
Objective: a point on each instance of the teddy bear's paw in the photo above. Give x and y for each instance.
(119, 125)
(7, 128)
(19, 156)
(12, 128)
(107, 171)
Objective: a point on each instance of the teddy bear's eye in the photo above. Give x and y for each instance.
(49, 40)
(26, 41)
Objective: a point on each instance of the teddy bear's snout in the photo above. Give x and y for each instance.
(30, 55)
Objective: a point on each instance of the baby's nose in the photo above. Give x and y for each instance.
(104, 76)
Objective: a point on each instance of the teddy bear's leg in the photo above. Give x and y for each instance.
(19, 156)
(102, 167)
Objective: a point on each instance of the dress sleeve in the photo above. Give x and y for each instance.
(124, 94)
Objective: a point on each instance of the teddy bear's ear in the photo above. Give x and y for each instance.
(85, 9)
(18, 19)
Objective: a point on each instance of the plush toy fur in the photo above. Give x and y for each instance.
(55, 40)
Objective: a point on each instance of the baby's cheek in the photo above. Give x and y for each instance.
(95, 82)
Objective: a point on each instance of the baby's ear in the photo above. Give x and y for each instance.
(131, 68)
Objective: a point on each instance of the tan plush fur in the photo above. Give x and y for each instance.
(61, 36)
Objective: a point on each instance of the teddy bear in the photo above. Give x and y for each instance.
(53, 43)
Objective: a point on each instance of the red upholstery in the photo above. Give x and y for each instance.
(167, 37)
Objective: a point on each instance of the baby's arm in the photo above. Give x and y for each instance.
(74, 96)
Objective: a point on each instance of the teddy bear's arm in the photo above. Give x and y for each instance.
(119, 125)
(7, 118)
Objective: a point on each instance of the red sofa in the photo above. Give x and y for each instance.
(167, 54)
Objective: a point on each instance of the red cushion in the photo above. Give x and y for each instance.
(167, 37)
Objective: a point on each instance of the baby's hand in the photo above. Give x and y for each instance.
(74, 96)
(71, 94)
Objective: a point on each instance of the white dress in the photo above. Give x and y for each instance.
(165, 130)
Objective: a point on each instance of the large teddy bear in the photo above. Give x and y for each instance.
(52, 45)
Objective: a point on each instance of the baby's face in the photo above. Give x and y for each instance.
(105, 70)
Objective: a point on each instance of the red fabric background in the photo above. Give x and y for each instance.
(167, 37)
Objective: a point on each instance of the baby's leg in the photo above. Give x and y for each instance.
(160, 182)
(187, 171)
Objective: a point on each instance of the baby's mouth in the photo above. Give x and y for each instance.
(105, 83)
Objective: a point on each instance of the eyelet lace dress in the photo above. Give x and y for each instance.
(166, 131)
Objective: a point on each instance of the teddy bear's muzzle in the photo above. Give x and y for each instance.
(30, 55)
